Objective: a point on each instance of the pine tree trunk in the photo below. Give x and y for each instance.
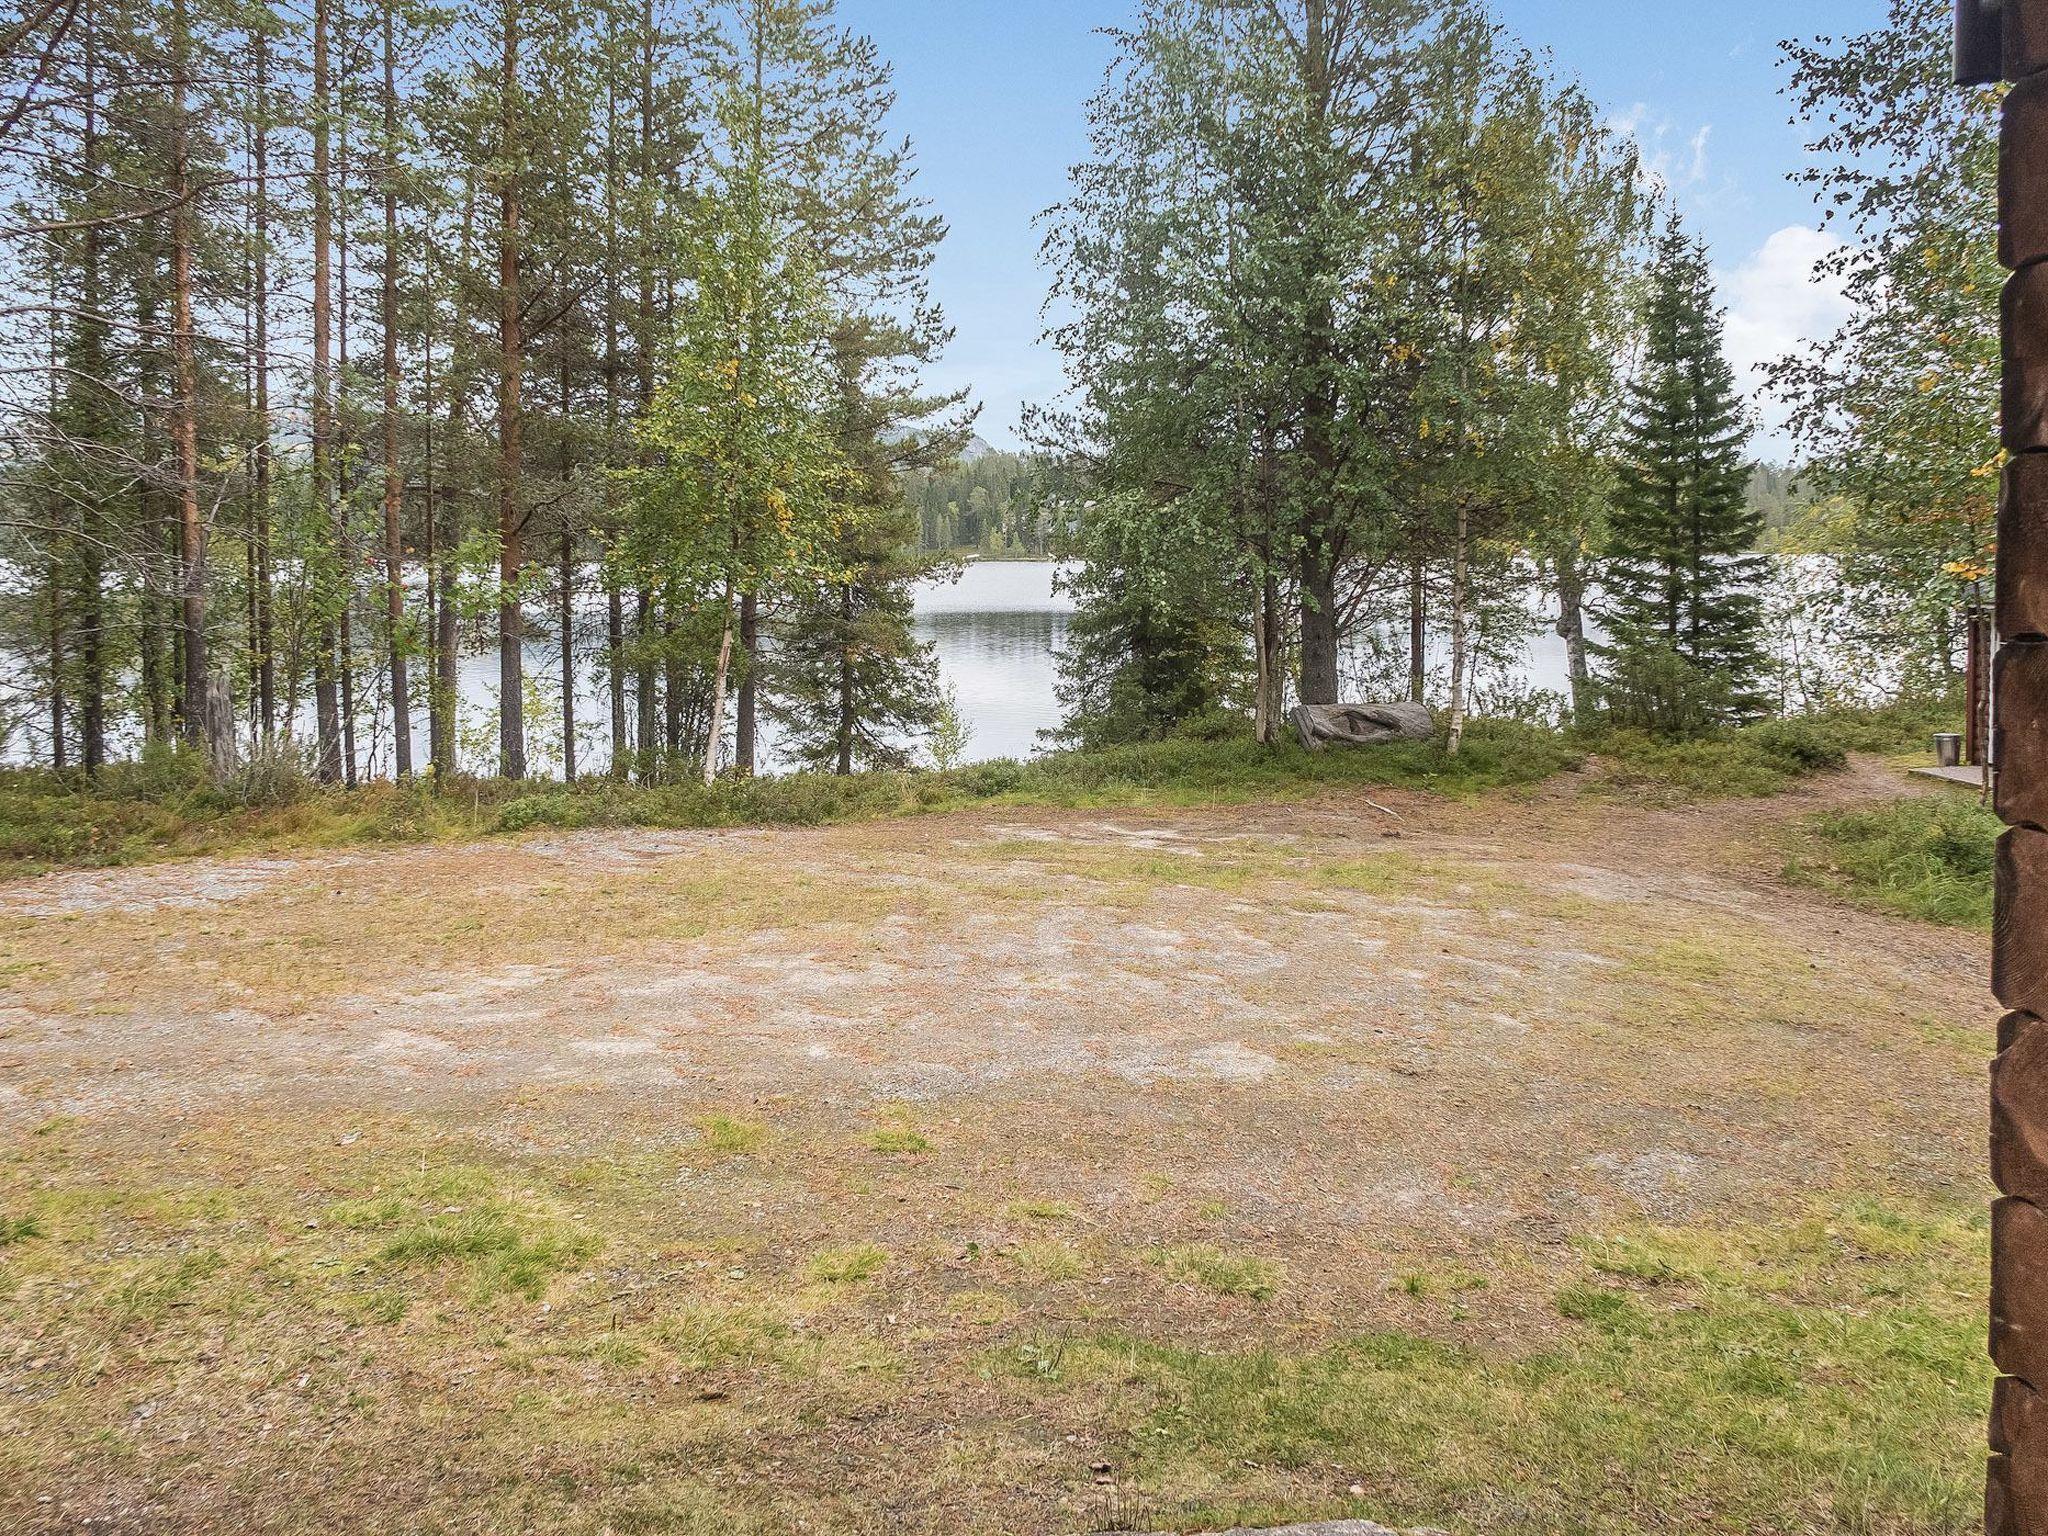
(1418, 631)
(345, 656)
(568, 655)
(326, 692)
(1318, 621)
(394, 484)
(447, 644)
(263, 596)
(92, 681)
(59, 726)
(511, 360)
(643, 359)
(1460, 625)
(847, 693)
(750, 621)
(185, 417)
(645, 744)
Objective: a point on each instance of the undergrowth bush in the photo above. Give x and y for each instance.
(165, 805)
(1929, 857)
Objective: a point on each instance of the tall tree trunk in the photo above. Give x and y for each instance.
(646, 744)
(1272, 666)
(746, 726)
(511, 365)
(1318, 620)
(643, 360)
(716, 729)
(447, 641)
(394, 484)
(59, 725)
(1571, 628)
(672, 691)
(263, 596)
(199, 720)
(847, 698)
(326, 691)
(1418, 630)
(568, 654)
(345, 667)
(92, 682)
(1460, 626)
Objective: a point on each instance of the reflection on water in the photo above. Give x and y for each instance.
(997, 631)
(1002, 669)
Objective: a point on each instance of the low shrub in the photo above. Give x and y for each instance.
(1930, 857)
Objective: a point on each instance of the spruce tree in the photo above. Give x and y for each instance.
(1682, 610)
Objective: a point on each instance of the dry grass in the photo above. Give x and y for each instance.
(890, 1178)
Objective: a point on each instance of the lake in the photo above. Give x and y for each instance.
(996, 630)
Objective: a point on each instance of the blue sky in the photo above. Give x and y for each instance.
(992, 93)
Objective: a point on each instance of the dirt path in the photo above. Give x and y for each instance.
(1018, 1075)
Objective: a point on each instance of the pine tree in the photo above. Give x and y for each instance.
(1682, 609)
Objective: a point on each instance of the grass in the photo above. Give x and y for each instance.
(1762, 759)
(1819, 1375)
(731, 1137)
(845, 1266)
(164, 808)
(1227, 1274)
(18, 1229)
(1929, 857)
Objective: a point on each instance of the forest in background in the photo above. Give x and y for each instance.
(352, 341)
(1387, 347)
(349, 338)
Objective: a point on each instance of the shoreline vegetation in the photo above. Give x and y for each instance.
(167, 807)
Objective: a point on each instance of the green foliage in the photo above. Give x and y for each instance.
(1897, 412)
(46, 819)
(1650, 687)
(1929, 857)
(1760, 759)
(987, 503)
(1681, 573)
(1155, 640)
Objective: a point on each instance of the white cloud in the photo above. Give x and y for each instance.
(1777, 303)
(1671, 160)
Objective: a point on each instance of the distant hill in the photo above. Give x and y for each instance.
(977, 449)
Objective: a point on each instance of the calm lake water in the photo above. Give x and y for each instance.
(997, 631)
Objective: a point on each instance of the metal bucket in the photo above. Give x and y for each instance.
(1948, 750)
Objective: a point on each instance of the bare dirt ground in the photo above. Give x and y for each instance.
(759, 1180)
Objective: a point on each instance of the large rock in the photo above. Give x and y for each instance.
(1322, 726)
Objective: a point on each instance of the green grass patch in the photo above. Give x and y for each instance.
(900, 1141)
(1930, 857)
(1227, 1274)
(1762, 759)
(165, 807)
(457, 1219)
(1807, 1376)
(845, 1266)
(729, 1136)
(18, 1229)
